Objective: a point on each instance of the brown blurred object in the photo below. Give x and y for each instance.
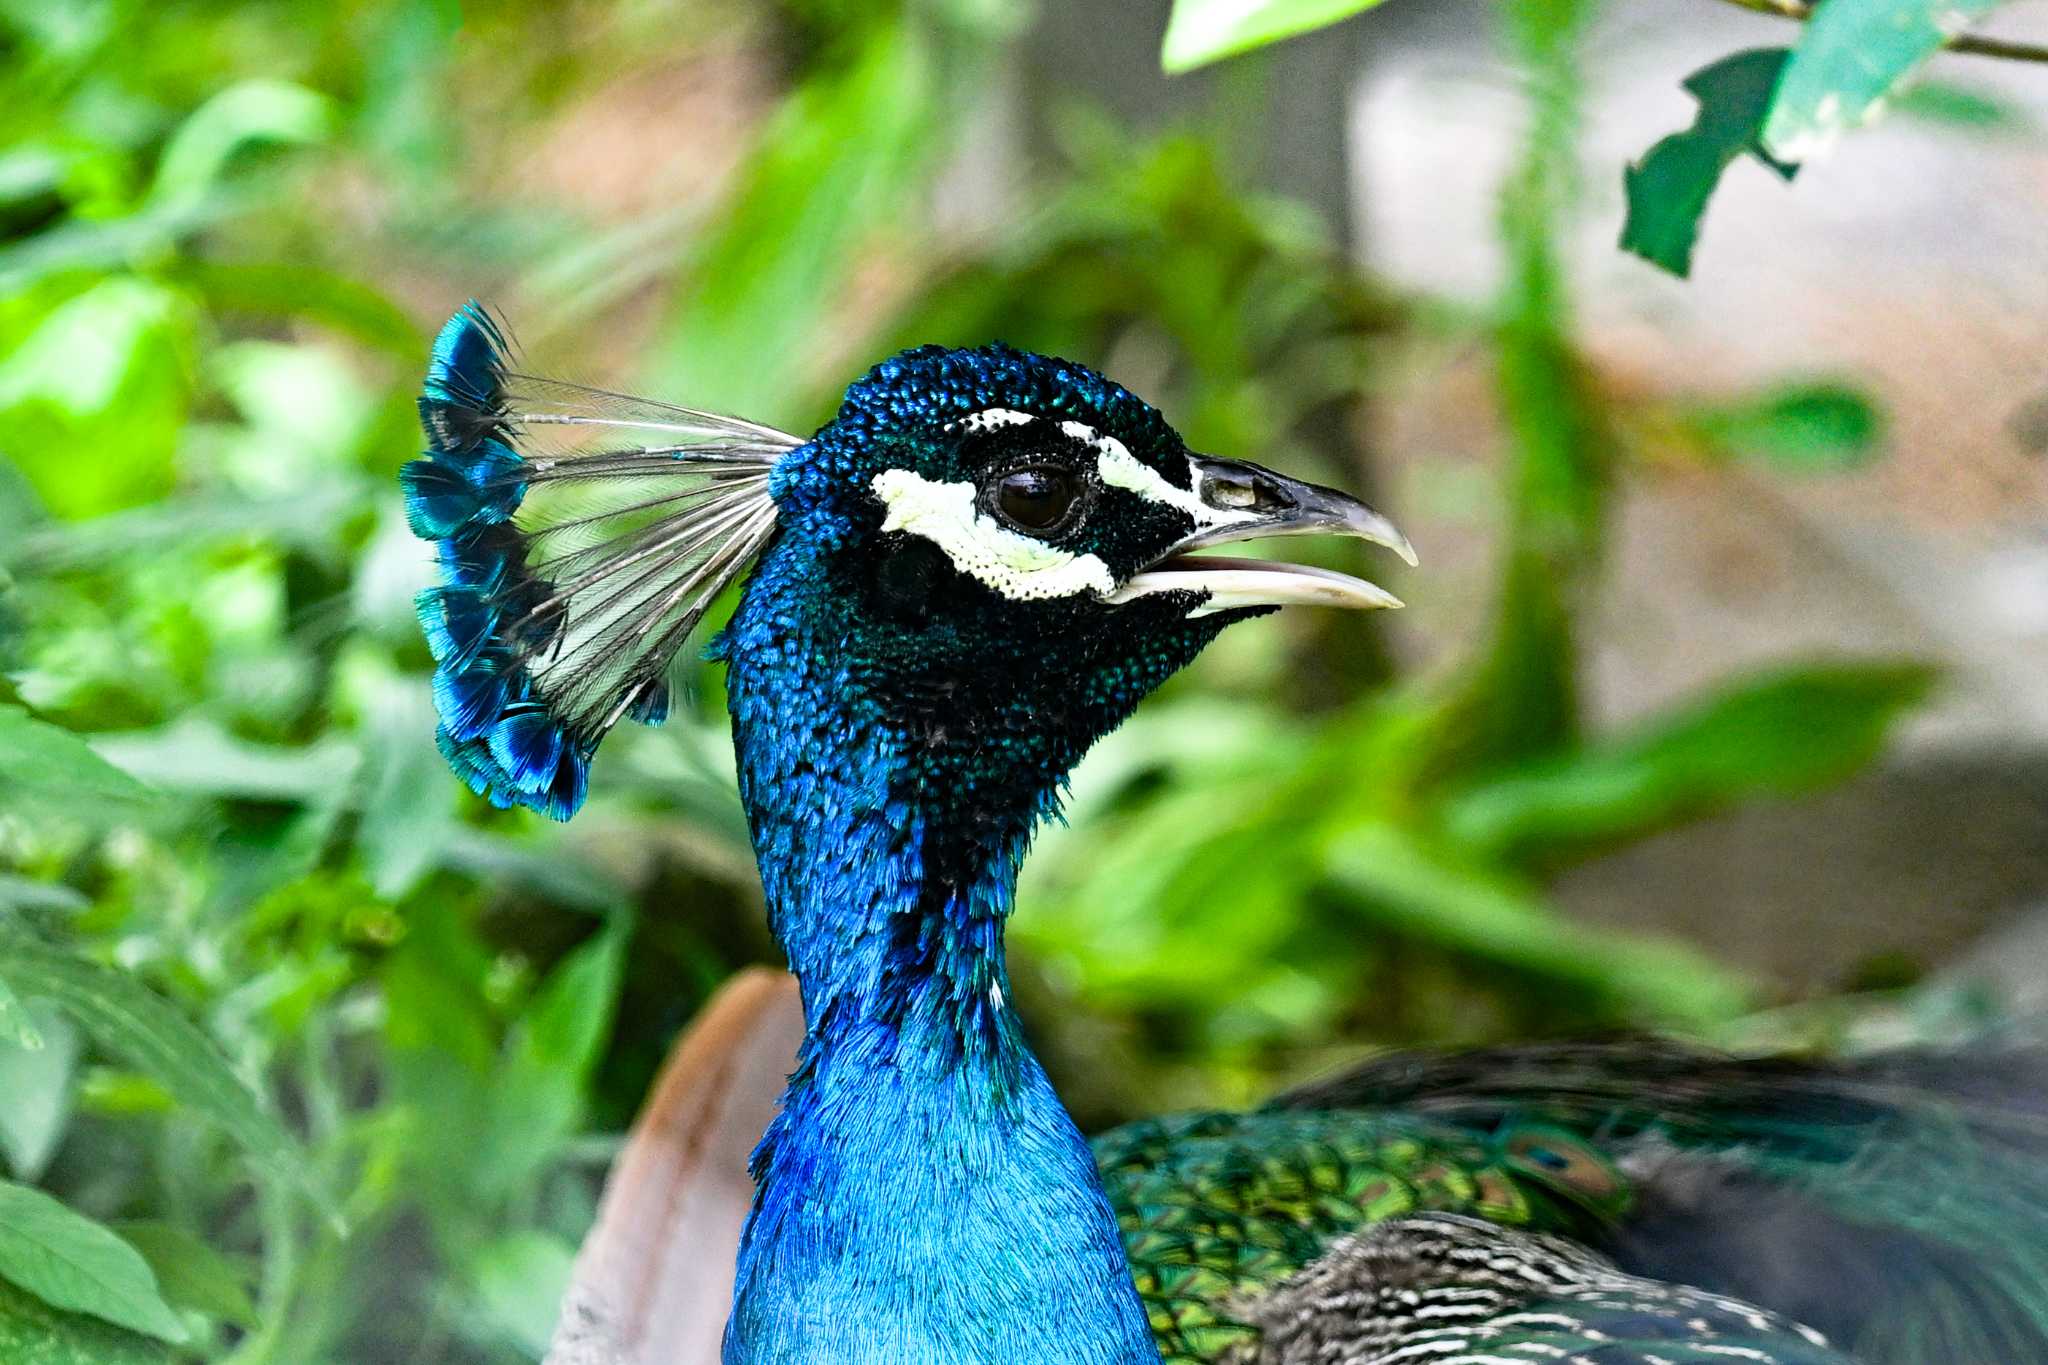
(653, 1283)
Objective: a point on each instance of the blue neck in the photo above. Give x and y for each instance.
(922, 1198)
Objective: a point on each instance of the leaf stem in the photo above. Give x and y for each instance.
(1975, 45)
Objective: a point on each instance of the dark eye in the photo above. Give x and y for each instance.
(1038, 498)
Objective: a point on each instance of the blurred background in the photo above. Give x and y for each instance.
(1720, 706)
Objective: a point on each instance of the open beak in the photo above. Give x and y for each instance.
(1251, 503)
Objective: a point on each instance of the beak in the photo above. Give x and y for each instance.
(1244, 501)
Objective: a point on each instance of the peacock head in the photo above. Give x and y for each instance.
(1002, 547)
(994, 552)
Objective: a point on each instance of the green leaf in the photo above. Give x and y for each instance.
(46, 770)
(1778, 735)
(251, 111)
(106, 371)
(518, 1281)
(1802, 428)
(20, 893)
(191, 1274)
(1669, 188)
(1403, 883)
(1204, 31)
(17, 1030)
(537, 1095)
(33, 1333)
(1962, 107)
(287, 289)
(836, 163)
(70, 1262)
(1523, 697)
(199, 757)
(38, 1085)
(1851, 57)
(142, 1030)
(408, 806)
(566, 1023)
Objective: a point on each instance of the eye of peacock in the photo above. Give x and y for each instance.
(1037, 498)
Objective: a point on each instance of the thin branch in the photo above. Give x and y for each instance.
(1971, 43)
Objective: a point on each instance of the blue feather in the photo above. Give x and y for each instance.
(457, 621)
(531, 675)
(528, 746)
(472, 696)
(445, 494)
(462, 496)
(651, 707)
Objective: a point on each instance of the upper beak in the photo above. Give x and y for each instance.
(1250, 502)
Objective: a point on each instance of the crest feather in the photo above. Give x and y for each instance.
(582, 534)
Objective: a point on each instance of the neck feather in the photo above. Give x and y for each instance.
(922, 1195)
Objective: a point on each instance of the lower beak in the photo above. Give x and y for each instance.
(1249, 502)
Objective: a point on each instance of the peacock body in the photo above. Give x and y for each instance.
(978, 568)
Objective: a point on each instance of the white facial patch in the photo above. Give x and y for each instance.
(1017, 566)
(1121, 469)
(988, 419)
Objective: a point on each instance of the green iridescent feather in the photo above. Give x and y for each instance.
(1898, 1203)
(1216, 1207)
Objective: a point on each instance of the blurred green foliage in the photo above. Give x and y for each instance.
(309, 1057)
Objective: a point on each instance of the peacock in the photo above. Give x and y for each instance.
(976, 569)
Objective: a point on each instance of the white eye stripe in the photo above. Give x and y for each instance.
(1121, 469)
(1118, 468)
(989, 419)
(1022, 567)
(1017, 566)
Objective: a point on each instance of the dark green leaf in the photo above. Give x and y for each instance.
(1669, 188)
(33, 1333)
(1852, 55)
(191, 1274)
(537, 1097)
(1802, 427)
(1962, 107)
(1402, 882)
(134, 1024)
(48, 771)
(1204, 31)
(70, 1262)
(1779, 735)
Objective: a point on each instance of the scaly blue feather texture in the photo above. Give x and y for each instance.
(494, 730)
(923, 1196)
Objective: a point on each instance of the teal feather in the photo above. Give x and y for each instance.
(1897, 1204)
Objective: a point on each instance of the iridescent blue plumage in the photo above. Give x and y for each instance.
(495, 734)
(541, 649)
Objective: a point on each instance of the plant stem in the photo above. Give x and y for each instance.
(1973, 44)
(1524, 699)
